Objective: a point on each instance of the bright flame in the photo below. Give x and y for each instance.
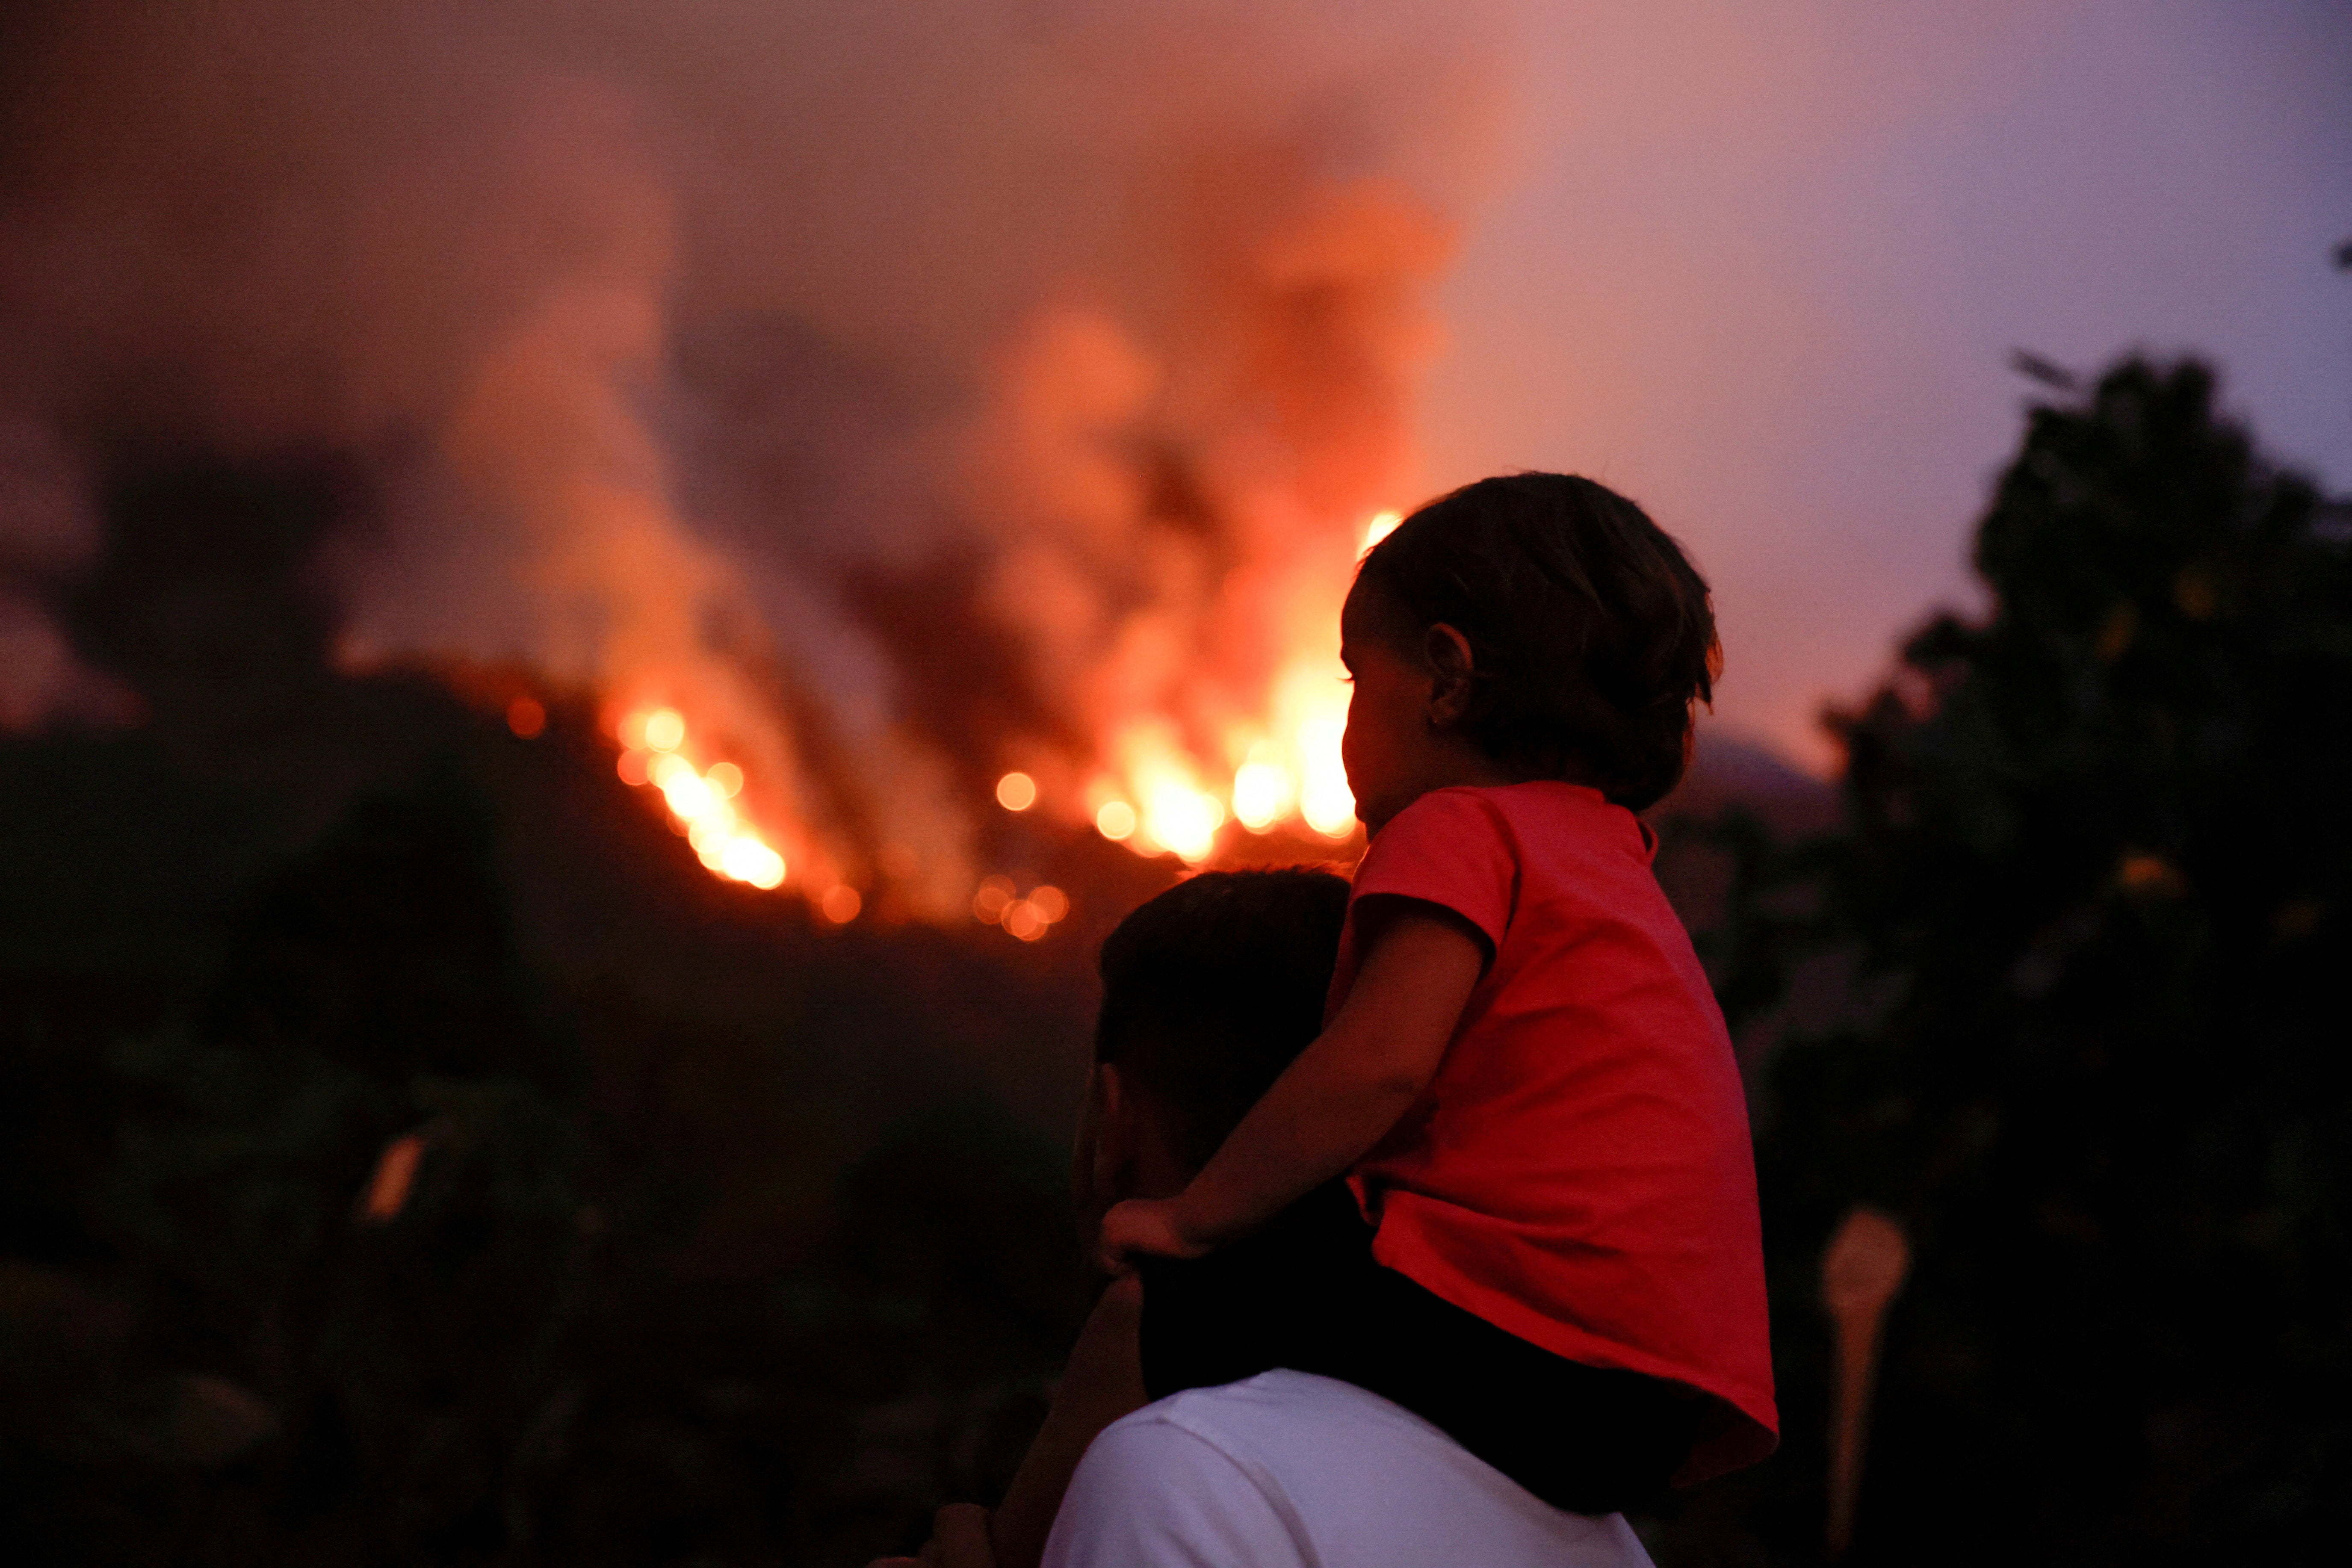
(1155, 796)
(690, 798)
(664, 729)
(703, 802)
(1179, 817)
(749, 860)
(1324, 798)
(1158, 795)
(1262, 795)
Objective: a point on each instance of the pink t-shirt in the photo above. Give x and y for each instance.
(1578, 1172)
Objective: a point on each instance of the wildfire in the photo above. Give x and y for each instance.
(1152, 519)
(1162, 801)
(1152, 794)
(1156, 796)
(702, 799)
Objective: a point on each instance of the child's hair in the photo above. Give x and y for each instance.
(1213, 988)
(1591, 633)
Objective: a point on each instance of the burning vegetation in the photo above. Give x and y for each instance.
(850, 465)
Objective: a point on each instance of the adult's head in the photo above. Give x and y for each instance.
(1577, 632)
(1209, 992)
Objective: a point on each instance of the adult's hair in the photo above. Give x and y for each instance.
(1213, 988)
(1589, 631)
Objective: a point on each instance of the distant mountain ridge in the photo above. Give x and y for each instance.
(1728, 772)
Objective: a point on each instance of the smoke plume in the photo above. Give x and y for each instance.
(900, 394)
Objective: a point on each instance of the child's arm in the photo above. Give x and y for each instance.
(1334, 1103)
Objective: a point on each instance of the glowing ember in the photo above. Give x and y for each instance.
(395, 1173)
(995, 896)
(1016, 792)
(700, 801)
(999, 903)
(526, 717)
(1116, 820)
(841, 904)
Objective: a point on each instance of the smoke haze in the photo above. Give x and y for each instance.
(919, 392)
(902, 393)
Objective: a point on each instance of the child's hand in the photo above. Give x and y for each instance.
(1143, 1227)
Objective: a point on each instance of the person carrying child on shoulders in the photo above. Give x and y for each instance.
(1523, 1075)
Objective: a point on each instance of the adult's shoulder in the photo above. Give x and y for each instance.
(1154, 1490)
(1342, 1475)
(1507, 819)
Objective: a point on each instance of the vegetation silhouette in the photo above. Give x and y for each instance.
(723, 1237)
(2090, 898)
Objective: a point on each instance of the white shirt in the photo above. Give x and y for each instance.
(1286, 1469)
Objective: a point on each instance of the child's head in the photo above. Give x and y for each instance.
(1556, 631)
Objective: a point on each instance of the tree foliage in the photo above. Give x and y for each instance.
(2094, 888)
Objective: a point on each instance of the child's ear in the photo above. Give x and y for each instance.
(1453, 671)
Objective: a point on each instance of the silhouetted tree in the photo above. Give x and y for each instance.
(2095, 889)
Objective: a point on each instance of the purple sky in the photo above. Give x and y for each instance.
(1761, 267)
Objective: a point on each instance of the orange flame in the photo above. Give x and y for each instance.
(702, 799)
(1156, 797)
(1177, 508)
(1172, 501)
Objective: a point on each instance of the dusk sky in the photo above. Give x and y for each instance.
(1762, 267)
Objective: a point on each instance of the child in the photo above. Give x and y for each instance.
(1522, 1073)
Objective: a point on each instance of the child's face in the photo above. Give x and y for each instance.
(1388, 746)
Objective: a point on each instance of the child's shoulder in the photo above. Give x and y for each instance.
(1572, 826)
(1547, 805)
(1496, 833)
